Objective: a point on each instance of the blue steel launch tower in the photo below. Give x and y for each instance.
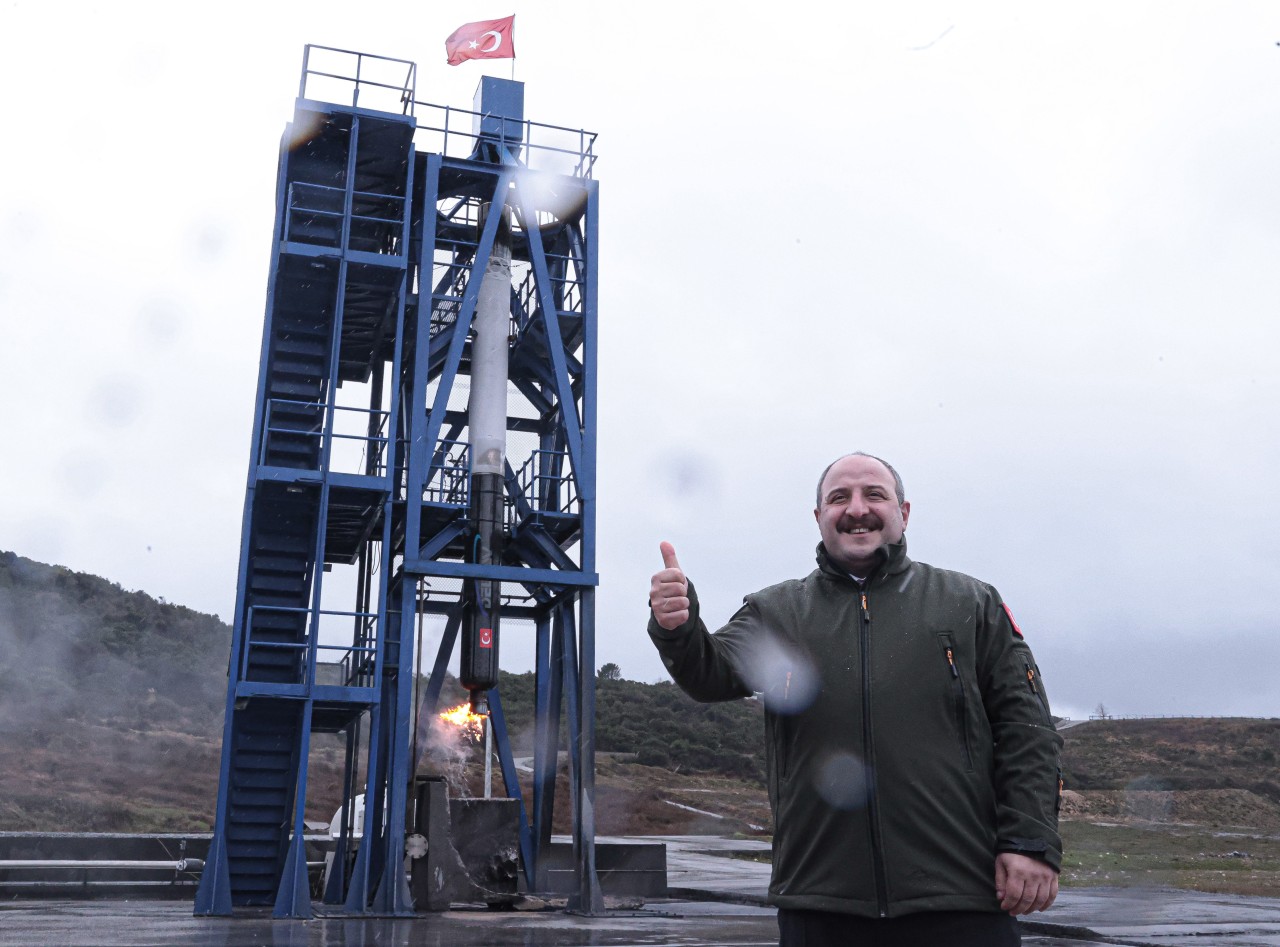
(400, 228)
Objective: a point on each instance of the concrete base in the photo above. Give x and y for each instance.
(471, 849)
(626, 869)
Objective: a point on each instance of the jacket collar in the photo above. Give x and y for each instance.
(891, 558)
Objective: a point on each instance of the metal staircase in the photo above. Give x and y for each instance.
(318, 494)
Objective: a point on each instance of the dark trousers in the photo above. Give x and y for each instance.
(933, 929)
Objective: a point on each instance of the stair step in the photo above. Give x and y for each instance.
(262, 595)
(261, 778)
(291, 462)
(284, 445)
(275, 741)
(248, 815)
(312, 344)
(286, 671)
(255, 841)
(296, 373)
(260, 798)
(278, 632)
(276, 582)
(289, 412)
(262, 759)
(300, 418)
(299, 324)
(277, 543)
(265, 563)
(280, 676)
(274, 636)
(258, 873)
(262, 637)
(293, 389)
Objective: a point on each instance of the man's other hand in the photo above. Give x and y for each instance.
(669, 591)
(1024, 885)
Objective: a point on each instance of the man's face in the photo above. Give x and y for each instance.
(859, 512)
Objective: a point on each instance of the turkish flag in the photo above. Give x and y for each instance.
(484, 39)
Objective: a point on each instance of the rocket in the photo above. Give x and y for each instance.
(487, 421)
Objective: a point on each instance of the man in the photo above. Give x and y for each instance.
(912, 761)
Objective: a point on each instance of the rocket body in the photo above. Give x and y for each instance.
(487, 422)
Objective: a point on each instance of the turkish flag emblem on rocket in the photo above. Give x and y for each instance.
(484, 39)
(486, 637)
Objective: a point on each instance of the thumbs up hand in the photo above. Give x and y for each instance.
(669, 591)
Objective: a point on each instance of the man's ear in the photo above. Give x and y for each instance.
(816, 518)
(906, 512)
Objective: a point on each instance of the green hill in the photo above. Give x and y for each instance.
(112, 704)
(111, 709)
(1174, 754)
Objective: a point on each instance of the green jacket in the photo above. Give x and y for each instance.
(908, 734)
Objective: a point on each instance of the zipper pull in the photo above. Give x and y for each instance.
(951, 660)
(1031, 677)
(865, 610)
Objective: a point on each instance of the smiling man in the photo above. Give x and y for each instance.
(912, 760)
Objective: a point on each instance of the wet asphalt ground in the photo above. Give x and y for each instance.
(716, 900)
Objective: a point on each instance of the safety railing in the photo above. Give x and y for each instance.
(450, 131)
(315, 213)
(381, 83)
(354, 666)
(567, 289)
(449, 479)
(546, 483)
(293, 432)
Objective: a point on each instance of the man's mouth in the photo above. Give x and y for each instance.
(858, 530)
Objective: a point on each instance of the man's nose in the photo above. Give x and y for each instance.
(855, 506)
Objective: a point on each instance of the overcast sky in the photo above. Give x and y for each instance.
(1027, 252)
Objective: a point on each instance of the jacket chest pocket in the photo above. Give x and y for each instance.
(958, 694)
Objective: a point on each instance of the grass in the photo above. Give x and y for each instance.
(1190, 857)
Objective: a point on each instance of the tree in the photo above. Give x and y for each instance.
(1101, 711)
(610, 672)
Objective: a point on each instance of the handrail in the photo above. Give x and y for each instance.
(547, 492)
(377, 437)
(405, 88)
(577, 143)
(306, 199)
(453, 472)
(366, 630)
(465, 141)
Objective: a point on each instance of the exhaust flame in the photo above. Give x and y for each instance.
(462, 717)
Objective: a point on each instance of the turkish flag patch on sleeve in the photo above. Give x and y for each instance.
(1016, 630)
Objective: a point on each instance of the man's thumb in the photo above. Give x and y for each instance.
(669, 556)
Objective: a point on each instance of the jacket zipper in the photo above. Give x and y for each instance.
(962, 711)
(1031, 682)
(873, 802)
